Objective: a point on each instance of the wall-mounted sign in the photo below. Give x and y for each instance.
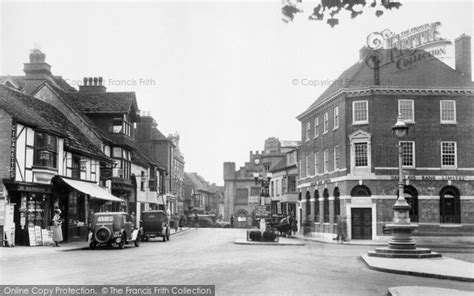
(13, 152)
(105, 173)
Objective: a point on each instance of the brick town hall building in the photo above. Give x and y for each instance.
(348, 160)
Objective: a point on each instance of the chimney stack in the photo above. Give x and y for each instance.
(37, 68)
(92, 84)
(462, 52)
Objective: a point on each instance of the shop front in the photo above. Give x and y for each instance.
(78, 201)
(32, 211)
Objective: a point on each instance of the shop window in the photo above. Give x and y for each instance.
(45, 153)
(337, 203)
(450, 205)
(411, 196)
(316, 206)
(308, 206)
(326, 205)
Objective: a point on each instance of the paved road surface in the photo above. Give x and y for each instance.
(208, 256)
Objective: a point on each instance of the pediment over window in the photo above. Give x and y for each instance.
(360, 134)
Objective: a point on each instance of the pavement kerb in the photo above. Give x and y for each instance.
(331, 241)
(279, 243)
(420, 290)
(364, 259)
(71, 246)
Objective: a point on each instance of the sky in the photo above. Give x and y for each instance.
(225, 75)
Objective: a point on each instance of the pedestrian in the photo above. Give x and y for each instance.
(341, 235)
(57, 231)
(181, 222)
(231, 221)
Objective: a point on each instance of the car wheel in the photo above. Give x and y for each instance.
(137, 241)
(122, 241)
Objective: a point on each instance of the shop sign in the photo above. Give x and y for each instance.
(106, 173)
(261, 211)
(433, 178)
(32, 236)
(13, 152)
(254, 199)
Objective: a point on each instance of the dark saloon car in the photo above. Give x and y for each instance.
(155, 223)
(113, 228)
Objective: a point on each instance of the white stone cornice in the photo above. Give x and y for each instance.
(389, 90)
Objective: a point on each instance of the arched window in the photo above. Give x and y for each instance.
(337, 203)
(360, 190)
(316, 206)
(308, 205)
(449, 205)
(326, 205)
(411, 196)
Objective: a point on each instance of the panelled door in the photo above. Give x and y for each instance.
(361, 219)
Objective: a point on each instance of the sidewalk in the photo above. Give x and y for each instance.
(71, 246)
(442, 268)
(421, 241)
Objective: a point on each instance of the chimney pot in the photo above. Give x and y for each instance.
(100, 80)
(90, 81)
(95, 80)
(85, 81)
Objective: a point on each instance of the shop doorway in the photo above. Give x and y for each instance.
(361, 223)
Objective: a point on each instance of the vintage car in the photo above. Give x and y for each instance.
(113, 228)
(222, 224)
(155, 223)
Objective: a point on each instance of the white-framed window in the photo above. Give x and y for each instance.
(316, 127)
(408, 153)
(336, 158)
(448, 111)
(448, 155)
(360, 112)
(336, 117)
(316, 163)
(326, 160)
(308, 128)
(361, 155)
(407, 109)
(307, 165)
(326, 122)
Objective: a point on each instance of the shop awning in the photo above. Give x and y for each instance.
(91, 189)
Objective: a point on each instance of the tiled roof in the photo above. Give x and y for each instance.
(103, 102)
(279, 165)
(156, 134)
(32, 109)
(29, 86)
(427, 73)
(65, 97)
(13, 102)
(198, 182)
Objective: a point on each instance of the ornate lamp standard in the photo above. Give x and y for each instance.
(263, 179)
(402, 245)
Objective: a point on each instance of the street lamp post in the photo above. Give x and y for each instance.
(401, 227)
(402, 244)
(263, 179)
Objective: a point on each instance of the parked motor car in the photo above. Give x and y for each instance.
(113, 228)
(155, 223)
(222, 224)
(206, 222)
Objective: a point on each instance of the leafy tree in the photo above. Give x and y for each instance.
(328, 9)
